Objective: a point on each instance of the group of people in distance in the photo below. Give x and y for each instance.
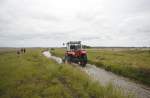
(22, 50)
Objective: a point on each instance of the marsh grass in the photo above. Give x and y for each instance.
(31, 75)
(134, 64)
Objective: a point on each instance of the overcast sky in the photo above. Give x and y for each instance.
(95, 22)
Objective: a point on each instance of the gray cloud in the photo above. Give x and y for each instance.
(96, 23)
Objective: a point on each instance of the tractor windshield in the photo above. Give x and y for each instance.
(75, 47)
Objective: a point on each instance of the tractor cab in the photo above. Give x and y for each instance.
(74, 46)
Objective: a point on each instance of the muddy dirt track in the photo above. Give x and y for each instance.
(105, 77)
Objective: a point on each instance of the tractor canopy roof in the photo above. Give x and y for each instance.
(74, 42)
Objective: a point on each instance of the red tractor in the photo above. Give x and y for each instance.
(75, 53)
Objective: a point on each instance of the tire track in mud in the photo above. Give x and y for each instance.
(105, 77)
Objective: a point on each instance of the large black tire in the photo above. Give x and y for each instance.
(67, 59)
(83, 60)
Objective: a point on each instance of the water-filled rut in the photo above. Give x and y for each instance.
(105, 77)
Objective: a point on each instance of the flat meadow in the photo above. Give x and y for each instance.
(129, 62)
(32, 75)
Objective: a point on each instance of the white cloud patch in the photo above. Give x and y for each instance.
(95, 22)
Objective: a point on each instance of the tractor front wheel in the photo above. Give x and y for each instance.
(67, 59)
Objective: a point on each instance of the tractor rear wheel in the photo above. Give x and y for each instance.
(83, 61)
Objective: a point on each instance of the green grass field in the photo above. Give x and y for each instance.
(134, 64)
(31, 75)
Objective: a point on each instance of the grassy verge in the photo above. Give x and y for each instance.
(134, 64)
(31, 75)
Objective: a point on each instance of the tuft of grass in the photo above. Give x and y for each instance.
(31, 75)
(134, 64)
